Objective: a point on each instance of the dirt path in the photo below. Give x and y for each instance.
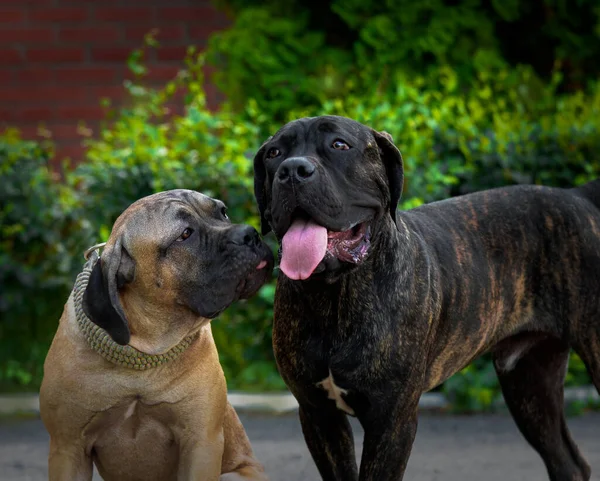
(448, 448)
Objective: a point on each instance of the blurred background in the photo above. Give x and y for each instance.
(103, 102)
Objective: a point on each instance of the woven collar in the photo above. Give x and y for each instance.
(103, 344)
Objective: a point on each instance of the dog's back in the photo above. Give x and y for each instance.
(511, 259)
(591, 191)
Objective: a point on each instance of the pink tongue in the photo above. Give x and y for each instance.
(303, 247)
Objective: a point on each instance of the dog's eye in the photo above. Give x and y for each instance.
(224, 212)
(185, 234)
(340, 145)
(273, 152)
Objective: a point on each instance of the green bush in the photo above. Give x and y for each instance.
(474, 388)
(273, 79)
(506, 129)
(286, 55)
(39, 235)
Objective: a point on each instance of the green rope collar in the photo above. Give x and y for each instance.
(103, 344)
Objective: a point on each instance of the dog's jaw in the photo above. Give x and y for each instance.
(351, 245)
(310, 247)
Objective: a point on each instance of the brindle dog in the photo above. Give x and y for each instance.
(375, 307)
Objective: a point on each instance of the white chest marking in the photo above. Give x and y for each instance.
(130, 410)
(334, 393)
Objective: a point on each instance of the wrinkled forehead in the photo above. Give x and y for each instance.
(160, 213)
(313, 128)
(180, 199)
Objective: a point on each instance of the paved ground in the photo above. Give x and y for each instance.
(448, 448)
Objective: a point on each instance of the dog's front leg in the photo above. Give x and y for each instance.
(239, 463)
(390, 430)
(328, 435)
(69, 463)
(200, 460)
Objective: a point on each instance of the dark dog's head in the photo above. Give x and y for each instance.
(325, 185)
(174, 257)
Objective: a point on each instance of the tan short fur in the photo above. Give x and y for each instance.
(171, 422)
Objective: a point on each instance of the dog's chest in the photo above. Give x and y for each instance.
(335, 393)
(325, 364)
(141, 432)
(335, 377)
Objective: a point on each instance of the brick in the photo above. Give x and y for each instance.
(41, 94)
(213, 96)
(55, 55)
(85, 75)
(12, 16)
(34, 114)
(162, 73)
(171, 53)
(120, 14)
(26, 35)
(174, 108)
(70, 131)
(6, 76)
(58, 15)
(163, 34)
(10, 57)
(35, 76)
(73, 151)
(116, 93)
(26, 3)
(89, 34)
(177, 98)
(104, 2)
(221, 19)
(200, 32)
(157, 73)
(130, 3)
(111, 54)
(7, 117)
(206, 13)
(81, 113)
(29, 131)
(95, 2)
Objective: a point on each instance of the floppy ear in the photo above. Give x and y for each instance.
(392, 159)
(101, 301)
(260, 190)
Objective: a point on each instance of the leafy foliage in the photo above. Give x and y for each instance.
(38, 228)
(286, 55)
(274, 78)
(454, 142)
(474, 388)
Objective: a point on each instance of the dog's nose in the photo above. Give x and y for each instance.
(244, 235)
(296, 169)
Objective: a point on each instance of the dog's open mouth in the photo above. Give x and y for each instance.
(307, 243)
(350, 245)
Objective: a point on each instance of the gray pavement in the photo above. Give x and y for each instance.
(449, 448)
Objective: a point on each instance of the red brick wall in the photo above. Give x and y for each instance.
(58, 58)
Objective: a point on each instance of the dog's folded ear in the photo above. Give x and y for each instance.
(101, 301)
(392, 159)
(260, 189)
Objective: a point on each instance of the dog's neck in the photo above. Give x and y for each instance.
(326, 304)
(101, 342)
(152, 337)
